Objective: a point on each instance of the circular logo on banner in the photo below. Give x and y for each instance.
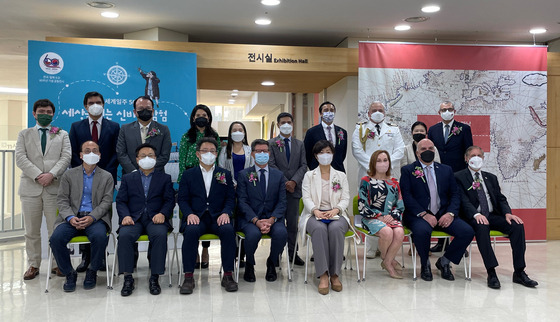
(51, 63)
(117, 75)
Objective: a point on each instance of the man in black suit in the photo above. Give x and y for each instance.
(327, 130)
(485, 207)
(105, 133)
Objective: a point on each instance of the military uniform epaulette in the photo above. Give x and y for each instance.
(360, 123)
(391, 124)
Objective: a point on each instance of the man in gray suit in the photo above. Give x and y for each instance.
(288, 155)
(85, 196)
(42, 153)
(143, 130)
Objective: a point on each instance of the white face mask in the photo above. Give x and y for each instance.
(377, 117)
(90, 158)
(476, 163)
(147, 163)
(447, 116)
(237, 136)
(208, 158)
(324, 158)
(95, 109)
(286, 129)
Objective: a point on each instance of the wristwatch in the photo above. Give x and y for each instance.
(452, 214)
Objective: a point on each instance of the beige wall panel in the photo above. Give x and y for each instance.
(553, 61)
(553, 229)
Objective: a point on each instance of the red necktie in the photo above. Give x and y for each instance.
(94, 134)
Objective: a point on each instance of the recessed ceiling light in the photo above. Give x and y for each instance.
(231, 101)
(417, 19)
(537, 31)
(13, 90)
(235, 90)
(267, 83)
(270, 2)
(402, 27)
(100, 4)
(234, 94)
(109, 14)
(430, 9)
(263, 21)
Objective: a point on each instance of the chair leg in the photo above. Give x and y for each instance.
(49, 266)
(107, 266)
(288, 263)
(114, 262)
(365, 258)
(413, 250)
(237, 265)
(357, 263)
(294, 258)
(348, 252)
(307, 257)
(170, 267)
(468, 278)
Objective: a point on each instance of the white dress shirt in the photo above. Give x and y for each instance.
(90, 120)
(207, 177)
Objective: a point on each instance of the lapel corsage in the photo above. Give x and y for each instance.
(476, 185)
(371, 134)
(54, 131)
(279, 144)
(340, 135)
(253, 178)
(419, 173)
(455, 131)
(153, 132)
(336, 185)
(220, 177)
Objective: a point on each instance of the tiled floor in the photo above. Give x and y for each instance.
(379, 298)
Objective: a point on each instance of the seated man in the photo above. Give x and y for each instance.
(485, 208)
(145, 205)
(261, 192)
(432, 201)
(85, 196)
(206, 199)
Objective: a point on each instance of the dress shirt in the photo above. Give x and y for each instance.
(86, 203)
(141, 129)
(38, 127)
(266, 173)
(289, 142)
(333, 132)
(490, 208)
(450, 129)
(207, 176)
(146, 180)
(90, 120)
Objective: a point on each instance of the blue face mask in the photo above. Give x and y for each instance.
(261, 158)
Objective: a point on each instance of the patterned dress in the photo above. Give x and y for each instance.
(379, 198)
(187, 152)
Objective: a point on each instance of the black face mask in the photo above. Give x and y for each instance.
(427, 156)
(201, 121)
(144, 115)
(418, 137)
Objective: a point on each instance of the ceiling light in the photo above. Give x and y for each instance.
(235, 90)
(430, 9)
(231, 101)
(234, 94)
(263, 21)
(537, 31)
(109, 14)
(270, 2)
(267, 83)
(402, 27)
(417, 19)
(13, 90)
(100, 4)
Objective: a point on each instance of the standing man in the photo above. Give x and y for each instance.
(42, 153)
(485, 208)
(327, 130)
(143, 130)
(85, 196)
(287, 154)
(103, 132)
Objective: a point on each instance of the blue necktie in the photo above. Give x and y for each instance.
(262, 182)
(287, 146)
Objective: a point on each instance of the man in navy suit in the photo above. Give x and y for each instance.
(432, 201)
(485, 208)
(207, 200)
(105, 133)
(261, 192)
(327, 130)
(145, 205)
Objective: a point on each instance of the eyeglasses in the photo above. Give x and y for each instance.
(449, 109)
(151, 155)
(261, 151)
(89, 151)
(206, 151)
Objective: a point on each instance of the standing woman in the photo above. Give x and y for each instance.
(201, 126)
(381, 206)
(419, 132)
(237, 154)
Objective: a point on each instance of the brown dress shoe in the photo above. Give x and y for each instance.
(31, 273)
(57, 271)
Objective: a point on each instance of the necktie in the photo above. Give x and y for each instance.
(94, 134)
(378, 129)
(144, 133)
(330, 134)
(446, 133)
(262, 182)
(433, 190)
(287, 146)
(484, 208)
(43, 140)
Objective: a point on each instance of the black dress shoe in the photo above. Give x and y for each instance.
(466, 253)
(426, 273)
(523, 279)
(91, 279)
(242, 264)
(270, 271)
(298, 261)
(249, 275)
(229, 284)
(155, 289)
(204, 265)
(445, 270)
(188, 286)
(437, 248)
(128, 285)
(103, 267)
(70, 284)
(493, 281)
(83, 265)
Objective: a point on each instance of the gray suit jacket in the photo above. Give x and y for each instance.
(296, 168)
(70, 193)
(130, 139)
(32, 162)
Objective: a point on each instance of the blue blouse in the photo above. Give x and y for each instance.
(238, 161)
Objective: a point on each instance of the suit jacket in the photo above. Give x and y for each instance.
(130, 139)
(316, 134)
(296, 168)
(253, 204)
(452, 153)
(469, 198)
(70, 192)
(108, 137)
(132, 202)
(416, 194)
(32, 162)
(192, 197)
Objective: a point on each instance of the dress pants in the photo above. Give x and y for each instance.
(33, 209)
(421, 234)
(278, 235)
(97, 235)
(516, 235)
(157, 234)
(328, 244)
(292, 215)
(207, 224)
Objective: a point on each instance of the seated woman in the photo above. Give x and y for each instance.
(380, 203)
(325, 197)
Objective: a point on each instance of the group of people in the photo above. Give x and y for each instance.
(256, 190)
